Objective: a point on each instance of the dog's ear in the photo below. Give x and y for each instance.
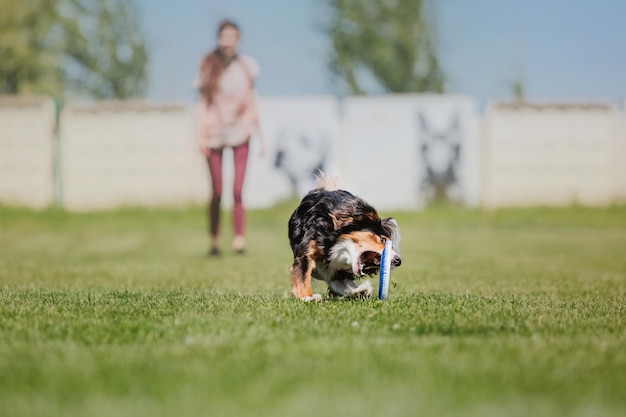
(390, 225)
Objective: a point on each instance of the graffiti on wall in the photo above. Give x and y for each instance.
(440, 154)
(300, 154)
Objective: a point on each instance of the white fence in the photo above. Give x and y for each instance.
(27, 151)
(401, 151)
(551, 154)
(397, 152)
(300, 134)
(120, 154)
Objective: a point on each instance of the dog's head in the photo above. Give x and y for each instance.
(360, 250)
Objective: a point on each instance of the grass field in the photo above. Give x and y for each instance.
(506, 313)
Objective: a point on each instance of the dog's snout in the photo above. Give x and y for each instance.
(396, 261)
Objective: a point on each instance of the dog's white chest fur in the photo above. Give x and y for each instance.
(344, 256)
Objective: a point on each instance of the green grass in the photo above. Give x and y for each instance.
(505, 313)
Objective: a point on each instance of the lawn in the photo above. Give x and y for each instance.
(492, 313)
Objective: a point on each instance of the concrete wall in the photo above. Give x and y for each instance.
(402, 151)
(27, 151)
(300, 135)
(549, 154)
(396, 151)
(118, 154)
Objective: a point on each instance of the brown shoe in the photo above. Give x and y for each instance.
(239, 244)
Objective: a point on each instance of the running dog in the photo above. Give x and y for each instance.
(337, 237)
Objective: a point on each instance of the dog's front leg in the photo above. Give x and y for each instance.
(301, 279)
(347, 288)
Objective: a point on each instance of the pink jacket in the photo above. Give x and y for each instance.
(233, 116)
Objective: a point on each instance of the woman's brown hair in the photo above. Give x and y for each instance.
(213, 65)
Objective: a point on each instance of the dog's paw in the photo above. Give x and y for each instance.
(349, 289)
(364, 290)
(315, 298)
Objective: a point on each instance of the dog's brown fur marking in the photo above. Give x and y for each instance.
(369, 240)
(370, 217)
(301, 272)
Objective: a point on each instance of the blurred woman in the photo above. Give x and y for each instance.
(226, 116)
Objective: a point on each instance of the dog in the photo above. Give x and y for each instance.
(337, 237)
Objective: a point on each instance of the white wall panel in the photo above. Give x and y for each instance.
(549, 154)
(395, 151)
(300, 134)
(26, 151)
(121, 154)
(400, 150)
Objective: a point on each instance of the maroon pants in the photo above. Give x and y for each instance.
(240, 154)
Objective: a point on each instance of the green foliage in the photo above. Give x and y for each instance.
(517, 89)
(87, 47)
(511, 312)
(392, 41)
(30, 47)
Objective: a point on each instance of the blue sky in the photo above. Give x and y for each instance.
(564, 49)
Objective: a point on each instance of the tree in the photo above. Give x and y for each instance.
(387, 40)
(106, 53)
(79, 47)
(29, 47)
